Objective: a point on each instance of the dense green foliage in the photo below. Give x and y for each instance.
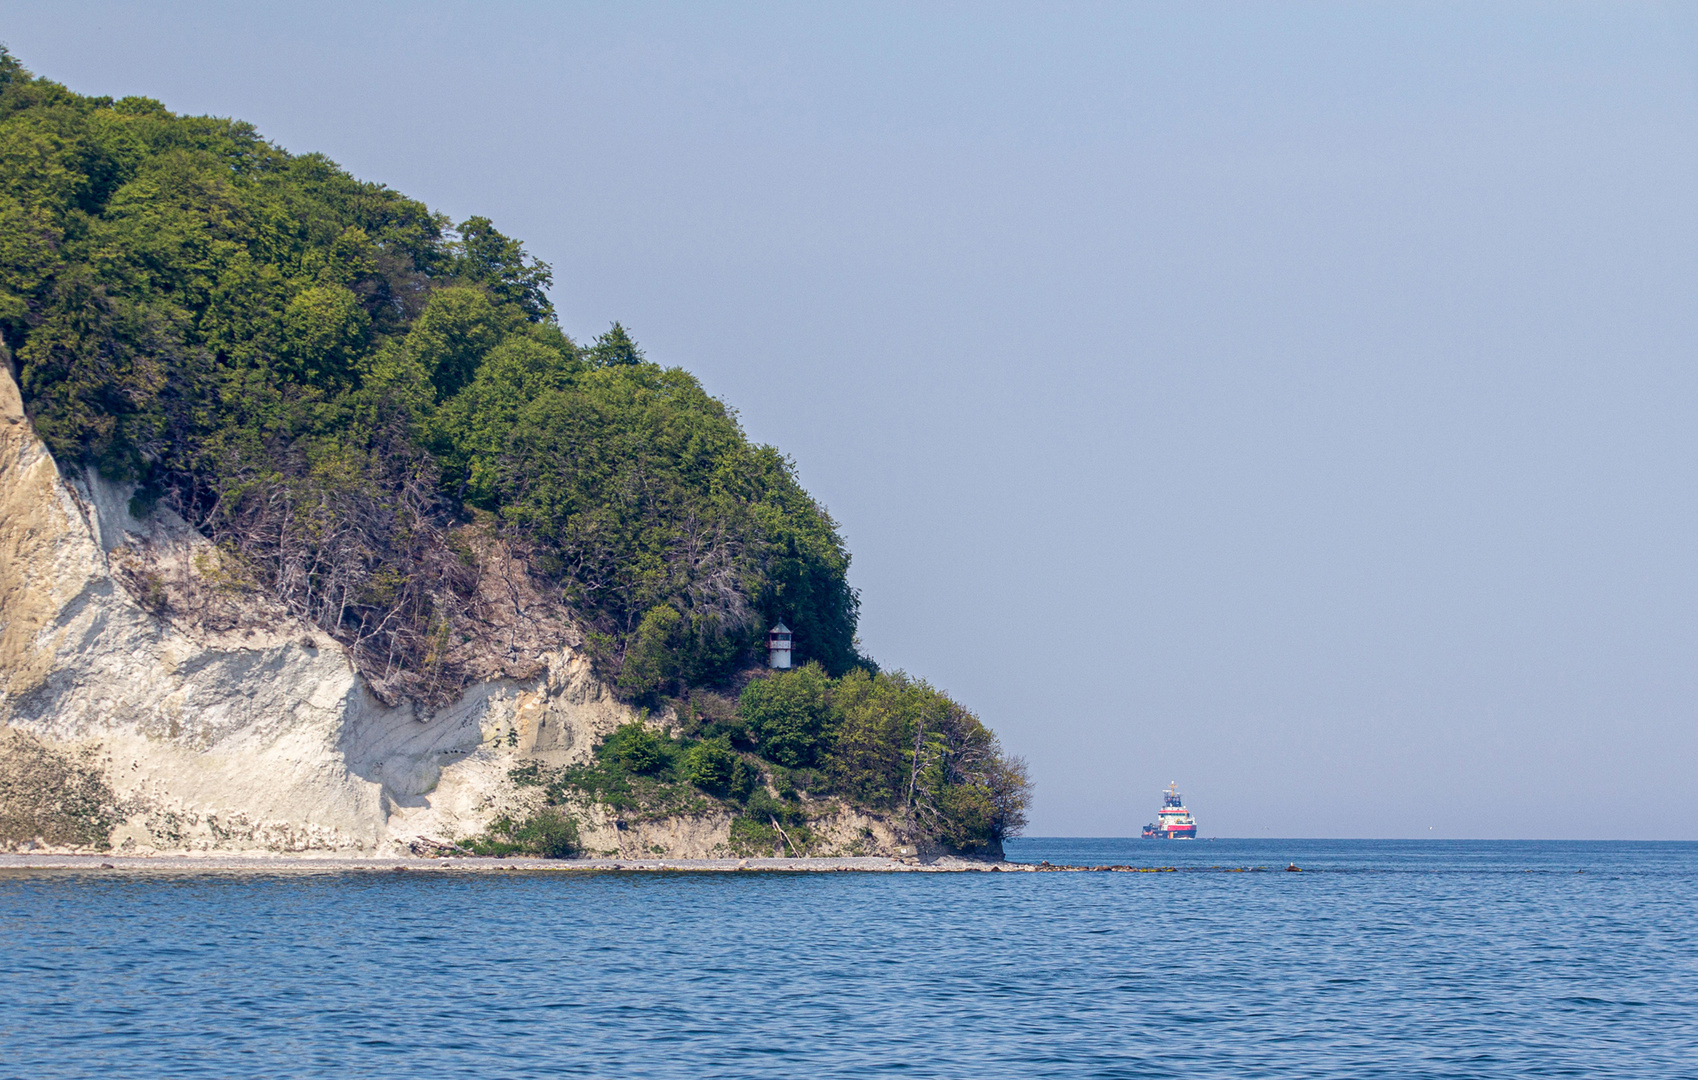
(547, 833)
(329, 379)
(714, 766)
(636, 749)
(789, 716)
(890, 742)
(636, 772)
(799, 741)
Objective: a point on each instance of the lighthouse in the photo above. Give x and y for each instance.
(778, 646)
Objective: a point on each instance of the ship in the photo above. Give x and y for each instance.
(1174, 822)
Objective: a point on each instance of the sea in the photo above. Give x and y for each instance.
(1401, 959)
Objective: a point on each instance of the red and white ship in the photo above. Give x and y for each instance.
(1174, 822)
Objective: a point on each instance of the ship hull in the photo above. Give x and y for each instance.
(1174, 822)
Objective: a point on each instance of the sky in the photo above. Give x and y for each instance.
(1296, 402)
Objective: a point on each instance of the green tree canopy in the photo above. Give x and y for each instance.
(613, 349)
(329, 380)
(791, 715)
(886, 741)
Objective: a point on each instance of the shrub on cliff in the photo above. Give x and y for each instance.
(547, 833)
(635, 748)
(790, 715)
(715, 767)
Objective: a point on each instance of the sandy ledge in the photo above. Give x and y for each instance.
(271, 863)
(266, 862)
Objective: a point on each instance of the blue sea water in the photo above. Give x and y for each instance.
(1382, 959)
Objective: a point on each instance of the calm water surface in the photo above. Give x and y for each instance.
(1393, 959)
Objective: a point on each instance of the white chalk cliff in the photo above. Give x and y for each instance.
(138, 731)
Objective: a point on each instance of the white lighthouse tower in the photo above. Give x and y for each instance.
(778, 646)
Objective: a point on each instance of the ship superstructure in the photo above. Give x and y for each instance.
(1174, 822)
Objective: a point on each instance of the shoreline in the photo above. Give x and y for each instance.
(216, 862)
(219, 862)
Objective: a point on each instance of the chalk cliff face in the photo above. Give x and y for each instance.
(126, 723)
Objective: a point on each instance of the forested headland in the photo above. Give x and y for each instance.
(371, 409)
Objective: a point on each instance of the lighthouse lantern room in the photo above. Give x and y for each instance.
(778, 646)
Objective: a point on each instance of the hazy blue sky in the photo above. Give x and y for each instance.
(1295, 402)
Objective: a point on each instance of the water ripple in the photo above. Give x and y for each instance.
(1381, 960)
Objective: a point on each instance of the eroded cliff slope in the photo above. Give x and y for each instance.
(126, 727)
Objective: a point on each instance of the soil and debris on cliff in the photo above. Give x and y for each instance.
(51, 797)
